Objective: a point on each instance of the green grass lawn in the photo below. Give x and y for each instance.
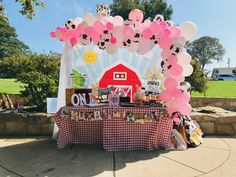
(225, 89)
(10, 86)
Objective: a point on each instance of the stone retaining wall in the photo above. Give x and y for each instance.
(216, 122)
(213, 121)
(225, 103)
(19, 124)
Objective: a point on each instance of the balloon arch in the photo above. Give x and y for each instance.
(112, 34)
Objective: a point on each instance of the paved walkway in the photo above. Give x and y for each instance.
(38, 157)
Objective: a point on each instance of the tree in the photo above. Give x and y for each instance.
(39, 73)
(28, 7)
(150, 8)
(205, 50)
(9, 44)
(198, 79)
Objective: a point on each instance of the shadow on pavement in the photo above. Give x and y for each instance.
(42, 158)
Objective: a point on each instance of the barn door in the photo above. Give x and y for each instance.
(127, 90)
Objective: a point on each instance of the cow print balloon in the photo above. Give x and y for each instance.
(70, 24)
(85, 39)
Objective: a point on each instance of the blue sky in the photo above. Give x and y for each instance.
(213, 18)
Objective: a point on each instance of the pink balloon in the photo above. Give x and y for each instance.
(175, 31)
(171, 110)
(136, 16)
(99, 26)
(155, 27)
(147, 33)
(109, 26)
(165, 43)
(167, 74)
(185, 109)
(113, 40)
(59, 28)
(170, 83)
(176, 70)
(185, 97)
(172, 60)
(175, 93)
(89, 30)
(173, 103)
(95, 37)
(79, 30)
(166, 32)
(73, 41)
(164, 95)
(128, 31)
(165, 54)
(162, 25)
(52, 34)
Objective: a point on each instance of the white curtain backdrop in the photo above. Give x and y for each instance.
(65, 71)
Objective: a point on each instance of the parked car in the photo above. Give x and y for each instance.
(224, 77)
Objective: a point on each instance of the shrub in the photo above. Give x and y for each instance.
(198, 79)
(39, 73)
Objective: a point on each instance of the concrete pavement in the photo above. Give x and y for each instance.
(38, 157)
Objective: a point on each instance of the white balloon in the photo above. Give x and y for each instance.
(89, 18)
(188, 30)
(147, 23)
(144, 46)
(117, 31)
(170, 23)
(77, 21)
(118, 34)
(133, 47)
(187, 70)
(185, 86)
(180, 78)
(105, 19)
(118, 21)
(110, 18)
(184, 59)
(111, 49)
(158, 18)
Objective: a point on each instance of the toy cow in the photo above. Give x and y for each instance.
(104, 91)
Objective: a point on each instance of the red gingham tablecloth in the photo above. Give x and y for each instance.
(114, 133)
(119, 134)
(74, 132)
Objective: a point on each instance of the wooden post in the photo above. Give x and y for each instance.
(10, 102)
(5, 102)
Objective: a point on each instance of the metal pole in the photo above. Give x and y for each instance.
(228, 62)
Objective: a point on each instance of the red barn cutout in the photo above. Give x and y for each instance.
(121, 77)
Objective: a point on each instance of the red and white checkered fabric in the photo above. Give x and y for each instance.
(74, 132)
(118, 134)
(114, 133)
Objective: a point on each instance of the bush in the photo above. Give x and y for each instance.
(39, 73)
(198, 79)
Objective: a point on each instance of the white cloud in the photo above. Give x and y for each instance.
(80, 62)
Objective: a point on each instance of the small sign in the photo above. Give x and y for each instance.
(78, 97)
